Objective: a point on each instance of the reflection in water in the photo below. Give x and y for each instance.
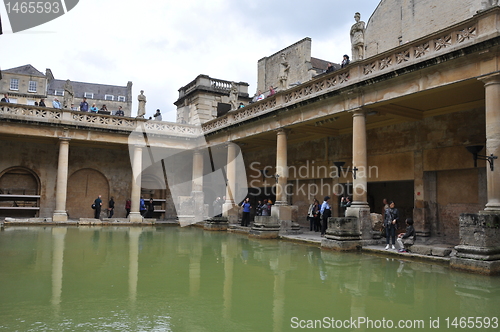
(133, 259)
(178, 279)
(58, 235)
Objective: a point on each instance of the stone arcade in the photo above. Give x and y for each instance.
(426, 87)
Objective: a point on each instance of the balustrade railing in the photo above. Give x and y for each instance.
(400, 57)
(94, 120)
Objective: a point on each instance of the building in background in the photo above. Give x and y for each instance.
(26, 85)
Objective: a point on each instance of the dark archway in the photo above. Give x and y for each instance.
(19, 193)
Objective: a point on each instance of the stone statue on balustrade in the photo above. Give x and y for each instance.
(69, 94)
(358, 38)
(141, 111)
(283, 73)
(233, 96)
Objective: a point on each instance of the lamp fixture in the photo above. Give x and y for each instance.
(475, 149)
(340, 164)
(277, 176)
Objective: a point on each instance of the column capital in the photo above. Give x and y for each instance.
(360, 111)
(490, 79)
(230, 143)
(64, 139)
(282, 131)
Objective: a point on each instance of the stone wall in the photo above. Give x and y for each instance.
(298, 57)
(398, 21)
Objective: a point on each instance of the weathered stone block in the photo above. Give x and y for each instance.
(265, 227)
(364, 220)
(266, 222)
(480, 230)
(476, 266)
(282, 212)
(216, 224)
(343, 229)
(441, 252)
(340, 245)
(421, 250)
(289, 227)
(377, 223)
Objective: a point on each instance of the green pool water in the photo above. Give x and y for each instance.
(187, 279)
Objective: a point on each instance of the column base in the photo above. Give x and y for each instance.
(186, 220)
(490, 268)
(340, 245)
(216, 224)
(265, 227)
(135, 217)
(59, 216)
(491, 209)
(230, 211)
(479, 248)
(343, 229)
(286, 216)
(361, 211)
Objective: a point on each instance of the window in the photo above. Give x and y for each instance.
(58, 92)
(88, 95)
(32, 86)
(109, 97)
(13, 100)
(14, 84)
(121, 98)
(30, 102)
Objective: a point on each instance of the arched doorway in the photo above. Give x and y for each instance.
(83, 188)
(19, 193)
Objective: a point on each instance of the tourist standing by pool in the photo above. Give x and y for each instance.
(98, 204)
(245, 219)
(326, 212)
(390, 222)
(111, 207)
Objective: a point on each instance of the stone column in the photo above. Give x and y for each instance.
(360, 208)
(197, 186)
(359, 158)
(197, 178)
(492, 101)
(479, 248)
(422, 205)
(286, 214)
(281, 167)
(135, 215)
(62, 181)
(229, 209)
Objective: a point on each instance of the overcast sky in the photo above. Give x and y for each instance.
(163, 45)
